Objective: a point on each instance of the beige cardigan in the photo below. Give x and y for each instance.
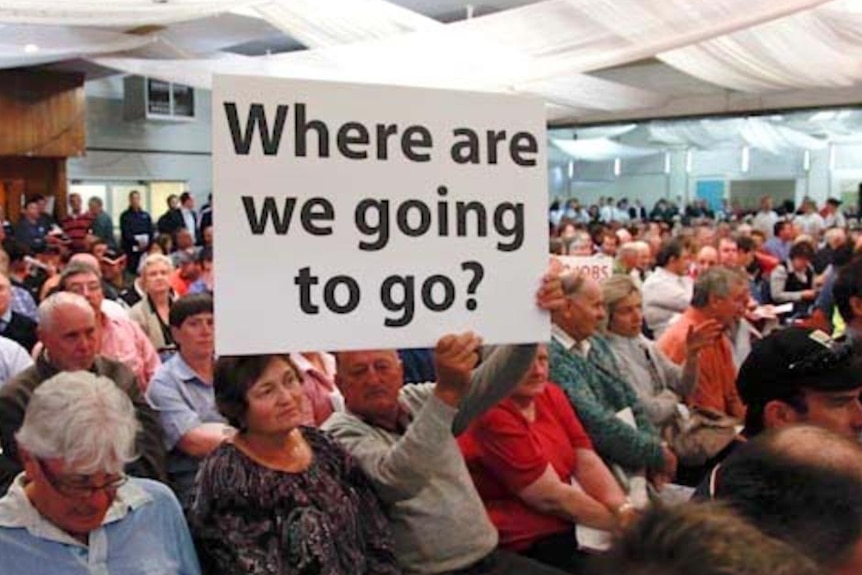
(147, 318)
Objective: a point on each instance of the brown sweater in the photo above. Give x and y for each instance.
(16, 393)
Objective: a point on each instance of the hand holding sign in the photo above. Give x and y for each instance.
(455, 357)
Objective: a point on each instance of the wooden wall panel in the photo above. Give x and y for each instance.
(22, 177)
(42, 114)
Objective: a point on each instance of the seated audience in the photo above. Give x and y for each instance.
(111, 304)
(31, 231)
(77, 224)
(779, 244)
(278, 497)
(184, 243)
(112, 265)
(793, 280)
(630, 260)
(19, 328)
(705, 539)
(22, 300)
(118, 338)
(152, 312)
(720, 294)
(659, 383)
(801, 485)
(317, 370)
(13, 359)
(765, 219)
(756, 267)
(583, 364)
(728, 252)
(206, 236)
(181, 392)
(707, 257)
(833, 240)
(67, 332)
(809, 221)
(537, 473)
(205, 282)
(667, 291)
(832, 216)
(187, 272)
(403, 437)
(73, 510)
(847, 293)
(798, 375)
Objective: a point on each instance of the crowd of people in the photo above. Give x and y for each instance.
(721, 360)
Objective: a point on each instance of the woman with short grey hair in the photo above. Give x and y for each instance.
(659, 383)
(153, 311)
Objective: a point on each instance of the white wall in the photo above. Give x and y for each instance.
(143, 150)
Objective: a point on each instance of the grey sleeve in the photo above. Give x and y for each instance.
(673, 373)
(400, 470)
(492, 381)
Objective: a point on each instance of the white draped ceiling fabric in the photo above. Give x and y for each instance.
(756, 133)
(546, 49)
(818, 48)
(29, 45)
(602, 149)
(541, 49)
(104, 13)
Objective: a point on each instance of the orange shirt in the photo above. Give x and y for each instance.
(716, 372)
(179, 285)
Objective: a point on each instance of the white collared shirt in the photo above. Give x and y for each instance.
(582, 348)
(143, 532)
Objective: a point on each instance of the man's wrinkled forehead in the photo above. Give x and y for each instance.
(346, 358)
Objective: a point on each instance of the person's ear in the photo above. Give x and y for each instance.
(777, 413)
(856, 306)
(28, 462)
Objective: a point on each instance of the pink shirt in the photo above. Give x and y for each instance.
(322, 397)
(123, 340)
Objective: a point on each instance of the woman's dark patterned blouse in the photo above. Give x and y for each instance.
(249, 519)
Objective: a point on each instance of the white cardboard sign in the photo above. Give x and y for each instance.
(356, 216)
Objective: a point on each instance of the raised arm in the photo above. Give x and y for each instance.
(399, 469)
(504, 368)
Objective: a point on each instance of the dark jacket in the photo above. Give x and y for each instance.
(16, 393)
(135, 223)
(21, 329)
(170, 222)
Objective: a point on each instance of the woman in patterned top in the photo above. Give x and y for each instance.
(279, 498)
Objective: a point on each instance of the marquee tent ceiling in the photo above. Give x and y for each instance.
(591, 61)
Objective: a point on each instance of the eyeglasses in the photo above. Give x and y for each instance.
(82, 289)
(79, 488)
(825, 359)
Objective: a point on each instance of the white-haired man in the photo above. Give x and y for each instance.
(67, 330)
(73, 510)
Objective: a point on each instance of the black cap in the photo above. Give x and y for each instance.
(834, 202)
(794, 358)
(112, 254)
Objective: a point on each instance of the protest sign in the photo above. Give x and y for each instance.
(356, 216)
(598, 267)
